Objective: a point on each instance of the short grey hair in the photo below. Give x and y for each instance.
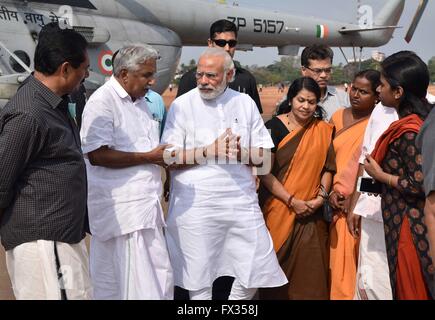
(131, 56)
(219, 52)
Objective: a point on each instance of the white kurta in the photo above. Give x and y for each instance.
(215, 226)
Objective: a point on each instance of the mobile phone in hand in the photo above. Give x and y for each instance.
(368, 185)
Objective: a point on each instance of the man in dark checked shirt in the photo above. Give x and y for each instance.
(43, 188)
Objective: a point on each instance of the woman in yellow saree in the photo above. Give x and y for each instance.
(350, 125)
(292, 195)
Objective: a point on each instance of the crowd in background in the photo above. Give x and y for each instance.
(333, 198)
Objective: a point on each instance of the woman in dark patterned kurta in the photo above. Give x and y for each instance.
(405, 79)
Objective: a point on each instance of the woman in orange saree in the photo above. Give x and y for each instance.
(350, 125)
(292, 195)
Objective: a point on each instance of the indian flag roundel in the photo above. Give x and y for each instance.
(322, 31)
(105, 62)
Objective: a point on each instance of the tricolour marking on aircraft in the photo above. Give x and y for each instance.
(322, 31)
(105, 62)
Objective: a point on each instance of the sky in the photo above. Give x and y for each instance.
(423, 42)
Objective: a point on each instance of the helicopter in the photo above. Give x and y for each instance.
(168, 26)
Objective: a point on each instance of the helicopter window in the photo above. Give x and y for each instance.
(15, 65)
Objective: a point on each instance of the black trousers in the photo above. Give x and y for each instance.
(221, 290)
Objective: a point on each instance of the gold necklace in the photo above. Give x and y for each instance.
(294, 123)
(289, 124)
(288, 119)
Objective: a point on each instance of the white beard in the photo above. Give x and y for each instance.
(216, 91)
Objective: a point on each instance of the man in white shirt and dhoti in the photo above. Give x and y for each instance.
(120, 140)
(214, 226)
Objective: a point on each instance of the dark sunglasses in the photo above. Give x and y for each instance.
(222, 43)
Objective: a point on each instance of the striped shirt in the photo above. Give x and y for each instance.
(43, 188)
(333, 100)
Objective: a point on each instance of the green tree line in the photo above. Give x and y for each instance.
(287, 69)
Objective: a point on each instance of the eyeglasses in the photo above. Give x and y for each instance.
(319, 71)
(222, 43)
(208, 75)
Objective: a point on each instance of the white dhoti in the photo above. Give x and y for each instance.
(33, 270)
(134, 266)
(373, 276)
(204, 246)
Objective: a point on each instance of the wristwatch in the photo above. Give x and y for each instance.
(170, 156)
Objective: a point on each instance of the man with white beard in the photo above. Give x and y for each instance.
(215, 227)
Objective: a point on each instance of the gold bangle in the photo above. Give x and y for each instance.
(389, 180)
(322, 192)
